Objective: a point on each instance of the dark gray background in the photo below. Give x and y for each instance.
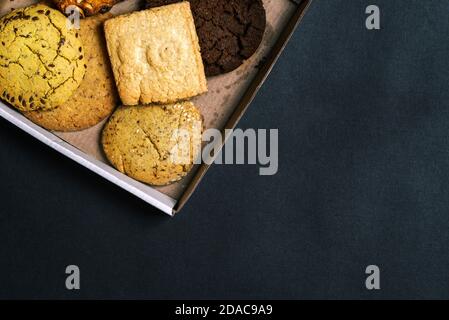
(363, 118)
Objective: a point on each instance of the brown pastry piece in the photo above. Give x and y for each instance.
(86, 7)
(230, 31)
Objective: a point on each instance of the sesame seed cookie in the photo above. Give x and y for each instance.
(155, 144)
(41, 58)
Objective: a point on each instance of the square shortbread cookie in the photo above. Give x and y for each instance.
(155, 55)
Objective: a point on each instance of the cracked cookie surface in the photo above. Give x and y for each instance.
(230, 31)
(96, 97)
(41, 60)
(155, 144)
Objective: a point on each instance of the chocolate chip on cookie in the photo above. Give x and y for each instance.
(230, 31)
(40, 63)
(96, 97)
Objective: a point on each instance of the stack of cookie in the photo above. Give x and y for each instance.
(59, 77)
(155, 56)
(154, 60)
(96, 97)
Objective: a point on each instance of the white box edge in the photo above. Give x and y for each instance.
(140, 190)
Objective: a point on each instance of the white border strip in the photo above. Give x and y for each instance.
(144, 192)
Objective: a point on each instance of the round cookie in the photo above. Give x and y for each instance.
(155, 144)
(230, 31)
(96, 97)
(41, 59)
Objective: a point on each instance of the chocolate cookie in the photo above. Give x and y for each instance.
(230, 31)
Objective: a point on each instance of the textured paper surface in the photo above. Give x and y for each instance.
(216, 106)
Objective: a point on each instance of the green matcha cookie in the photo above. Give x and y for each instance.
(41, 58)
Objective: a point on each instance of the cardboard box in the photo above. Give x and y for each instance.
(222, 107)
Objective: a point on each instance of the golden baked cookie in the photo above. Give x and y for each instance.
(96, 97)
(155, 55)
(41, 59)
(155, 144)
